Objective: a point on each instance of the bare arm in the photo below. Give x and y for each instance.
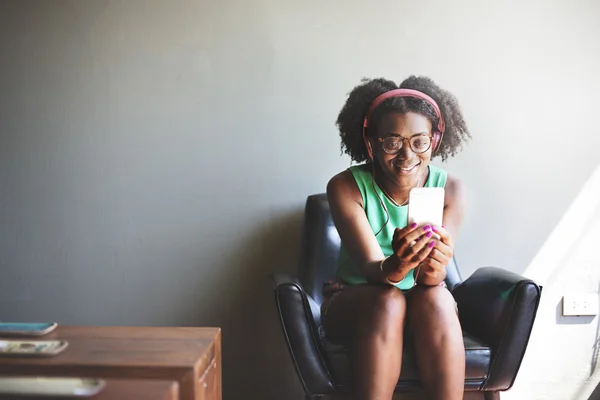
(353, 227)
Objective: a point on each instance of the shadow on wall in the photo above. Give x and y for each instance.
(256, 363)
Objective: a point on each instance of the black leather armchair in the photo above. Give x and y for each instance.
(497, 309)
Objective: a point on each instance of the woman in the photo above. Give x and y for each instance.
(390, 281)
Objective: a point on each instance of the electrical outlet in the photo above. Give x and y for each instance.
(580, 304)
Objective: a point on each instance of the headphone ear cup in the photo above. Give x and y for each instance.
(369, 149)
(436, 141)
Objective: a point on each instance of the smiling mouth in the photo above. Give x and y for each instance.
(409, 168)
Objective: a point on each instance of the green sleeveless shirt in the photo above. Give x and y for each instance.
(348, 271)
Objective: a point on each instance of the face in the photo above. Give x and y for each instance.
(406, 167)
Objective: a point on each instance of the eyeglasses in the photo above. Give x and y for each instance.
(393, 144)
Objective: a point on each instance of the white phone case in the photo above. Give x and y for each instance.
(31, 348)
(42, 386)
(426, 205)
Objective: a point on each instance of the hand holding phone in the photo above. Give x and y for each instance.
(411, 246)
(441, 254)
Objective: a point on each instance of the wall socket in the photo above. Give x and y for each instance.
(580, 304)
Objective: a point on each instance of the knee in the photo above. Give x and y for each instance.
(433, 319)
(388, 306)
(436, 302)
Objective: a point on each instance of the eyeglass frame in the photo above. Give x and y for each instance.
(403, 139)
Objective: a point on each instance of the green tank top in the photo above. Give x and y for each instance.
(347, 270)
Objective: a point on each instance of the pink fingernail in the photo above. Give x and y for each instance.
(429, 234)
(431, 244)
(427, 227)
(434, 229)
(414, 225)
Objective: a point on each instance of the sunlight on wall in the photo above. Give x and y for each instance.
(567, 232)
(560, 360)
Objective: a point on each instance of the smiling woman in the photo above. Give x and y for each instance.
(377, 296)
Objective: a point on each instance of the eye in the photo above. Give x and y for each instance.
(393, 143)
(420, 143)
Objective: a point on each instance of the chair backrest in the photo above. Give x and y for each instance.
(321, 246)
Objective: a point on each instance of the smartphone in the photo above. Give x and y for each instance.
(32, 348)
(426, 205)
(26, 328)
(42, 386)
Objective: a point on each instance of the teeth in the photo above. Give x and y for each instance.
(409, 168)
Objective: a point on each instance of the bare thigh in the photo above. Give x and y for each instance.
(350, 310)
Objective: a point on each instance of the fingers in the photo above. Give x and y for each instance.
(403, 237)
(444, 235)
(438, 257)
(421, 254)
(433, 264)
(398, 233)
(414, 241)
(412, 249)
(418, 234)
(417, 243)
(444, 250)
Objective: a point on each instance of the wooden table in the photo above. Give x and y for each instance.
(189, 356)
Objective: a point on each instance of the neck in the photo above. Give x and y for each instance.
(398, 191)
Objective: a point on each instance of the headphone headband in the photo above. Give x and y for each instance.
(406, 93)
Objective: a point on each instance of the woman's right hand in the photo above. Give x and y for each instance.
(411, 246)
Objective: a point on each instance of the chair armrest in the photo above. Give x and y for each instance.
(301, 334)
(499, 307)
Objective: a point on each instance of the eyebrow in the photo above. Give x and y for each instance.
(412, 136)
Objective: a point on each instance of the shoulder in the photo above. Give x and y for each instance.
(342, 187)
(437, 177)
(456, 192)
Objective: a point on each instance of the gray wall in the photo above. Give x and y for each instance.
(155, 155)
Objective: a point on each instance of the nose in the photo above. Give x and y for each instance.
(406, 151)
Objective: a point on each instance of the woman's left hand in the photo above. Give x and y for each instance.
(441, 254)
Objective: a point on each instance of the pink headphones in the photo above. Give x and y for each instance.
(437, 134)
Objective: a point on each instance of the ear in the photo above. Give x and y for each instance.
(368, 146)
(437, 140)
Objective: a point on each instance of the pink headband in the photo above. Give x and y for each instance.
(406, 93)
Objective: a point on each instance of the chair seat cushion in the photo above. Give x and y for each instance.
(477, 359)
